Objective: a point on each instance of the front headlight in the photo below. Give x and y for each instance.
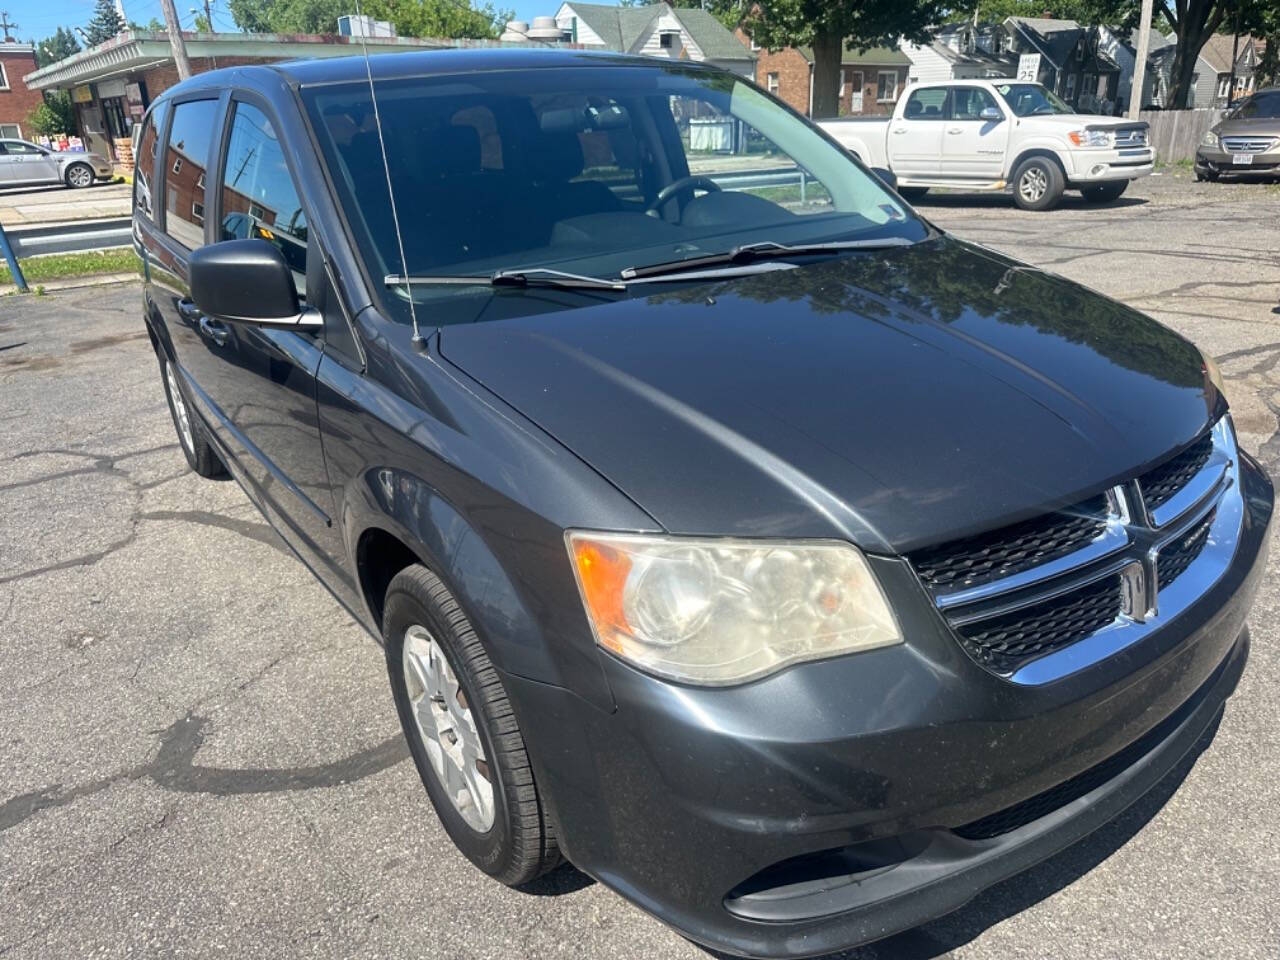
(1210, 139)
(1090, 138)
(711, 611)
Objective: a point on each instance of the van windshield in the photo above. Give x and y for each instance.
(1031, 99)
(584, 170)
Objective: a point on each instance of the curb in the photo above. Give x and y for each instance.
(74, 283)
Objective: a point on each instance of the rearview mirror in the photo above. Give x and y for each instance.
(887, 177)
(991, 113)
(248, 281)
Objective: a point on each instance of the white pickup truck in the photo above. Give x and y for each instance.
(993, 134)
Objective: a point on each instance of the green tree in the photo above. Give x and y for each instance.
(1193, 23)
(831, 26)
(105, 23)
(61, 45)
(55, 115)
(1261, 18)
(411, 18)
(154, 25)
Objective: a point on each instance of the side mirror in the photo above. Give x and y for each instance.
(887, 177)
(991, 113)
(248, 281)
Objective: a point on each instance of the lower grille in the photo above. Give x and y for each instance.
(1160, 483)
(1005, 643)
(1174, 558)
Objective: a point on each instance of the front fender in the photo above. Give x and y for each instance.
(1042, 144)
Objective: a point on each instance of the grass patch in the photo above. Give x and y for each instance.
(59, 266)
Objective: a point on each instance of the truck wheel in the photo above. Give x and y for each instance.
(79, 175)
(1104, 192)
(462, 733)
(201, 456)
(912, 194)
(1037, 184)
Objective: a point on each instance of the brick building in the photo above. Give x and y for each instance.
(17, 100)
(870, 82)
(113, 83)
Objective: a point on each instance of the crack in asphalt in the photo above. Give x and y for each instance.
(174, 768)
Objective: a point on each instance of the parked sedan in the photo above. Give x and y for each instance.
(28, 164)
(1246, 142)
(796, 570)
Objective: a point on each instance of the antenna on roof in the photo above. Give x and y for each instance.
(386, 169)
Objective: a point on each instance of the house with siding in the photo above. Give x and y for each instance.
(870, 81)
(962, 51)
(657, 30)
(1073, 63)
(1216, 62)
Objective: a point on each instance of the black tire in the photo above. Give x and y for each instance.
(520, 845)
(201, 456)
(912, 194)
(1210, 175)
(79, 175)
(1105, 192)
(1048, 182)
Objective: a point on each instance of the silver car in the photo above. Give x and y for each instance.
(1245, 142)
(25, 164)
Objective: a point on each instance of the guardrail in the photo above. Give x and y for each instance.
(72, 237)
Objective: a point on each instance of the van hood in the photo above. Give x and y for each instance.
(896, 399)
(1249, 127)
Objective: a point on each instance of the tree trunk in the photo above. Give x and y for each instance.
(1199, 21)
(827, 48)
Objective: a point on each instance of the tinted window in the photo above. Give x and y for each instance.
(929, 104)
(185, 157)
(144, 171)
(967, 103)
(258, 196)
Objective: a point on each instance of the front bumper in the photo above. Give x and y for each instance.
(1219, 162)
(1100, 166)
(871, 775)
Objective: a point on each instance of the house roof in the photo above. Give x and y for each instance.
(875, 57)
(1055, 39)
(1217, 50)
(622, 27)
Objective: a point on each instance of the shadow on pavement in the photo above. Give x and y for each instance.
(997, 200)
(937, 937)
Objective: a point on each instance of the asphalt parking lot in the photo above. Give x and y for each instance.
(199, 755)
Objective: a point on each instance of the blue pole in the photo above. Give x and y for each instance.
(10, 259)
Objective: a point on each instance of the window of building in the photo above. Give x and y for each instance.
(1070, 92)
(667, 40)
(755, 46)
(197, 211)
(10, 130)
(191, 133)
(886, 86)
(771, 81)
(259, 199)
(145, 161)
(200, 182)
(4, 79)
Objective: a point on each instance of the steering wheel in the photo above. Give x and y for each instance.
(679, 186)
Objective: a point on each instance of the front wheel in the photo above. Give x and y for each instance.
(1104, 192)
(1037, 184)
(196, 447)
(462, 733)
(79, 175)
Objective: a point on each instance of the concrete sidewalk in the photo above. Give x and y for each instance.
(54, 204)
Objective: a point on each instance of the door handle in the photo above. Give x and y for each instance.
(955, 130)
(899, 129)
(215, 331)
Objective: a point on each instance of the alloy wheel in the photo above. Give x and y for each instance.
(448, 729)
(80, 176)
(1033, 184)
(179, 409)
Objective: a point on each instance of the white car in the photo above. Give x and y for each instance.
(26, 164)
(996, 134)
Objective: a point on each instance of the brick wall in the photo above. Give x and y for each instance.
(870, 88)
(17, 102)
(792, 70)
(161, 78)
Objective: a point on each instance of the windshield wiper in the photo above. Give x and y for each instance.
(532, 277)
(755, 252)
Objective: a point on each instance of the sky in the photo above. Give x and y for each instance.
(38, 19)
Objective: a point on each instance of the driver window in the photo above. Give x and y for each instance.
(969, 102)
(740, 159)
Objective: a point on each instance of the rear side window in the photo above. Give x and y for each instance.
(967, 103)
(928, 104)
(145, 161)
(259, 200)
(185, 158)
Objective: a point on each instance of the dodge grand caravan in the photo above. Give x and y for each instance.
(794, 568)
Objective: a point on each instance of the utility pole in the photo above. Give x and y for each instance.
(6, 25)
(1140, 65)
(180, 47)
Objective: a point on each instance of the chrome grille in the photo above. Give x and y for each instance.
(1021, 598)
(1131, 137)
(1248, 144)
